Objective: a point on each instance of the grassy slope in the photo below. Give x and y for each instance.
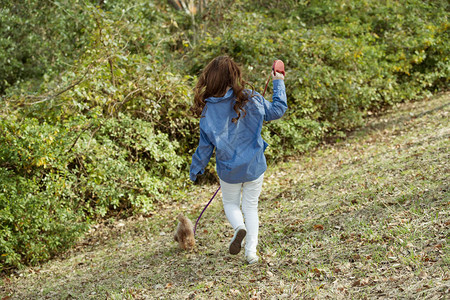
(366, 217)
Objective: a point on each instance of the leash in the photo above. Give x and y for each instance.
(206, 208)
(267, 83)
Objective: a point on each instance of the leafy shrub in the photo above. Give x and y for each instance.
(110, 142)
(343, 58)
(38, 217)
(39, 37)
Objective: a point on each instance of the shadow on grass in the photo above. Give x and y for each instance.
(406, 117)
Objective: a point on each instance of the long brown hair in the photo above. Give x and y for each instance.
(220, 73)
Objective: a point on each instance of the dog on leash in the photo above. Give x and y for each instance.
(184, 234)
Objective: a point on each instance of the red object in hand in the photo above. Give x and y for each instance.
(278, 66)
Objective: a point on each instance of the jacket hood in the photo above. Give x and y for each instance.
(228, 95)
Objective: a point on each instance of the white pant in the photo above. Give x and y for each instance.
(231, 197)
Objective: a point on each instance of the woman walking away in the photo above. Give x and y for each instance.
(231, 119)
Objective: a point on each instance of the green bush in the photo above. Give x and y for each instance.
(38, 217)
(111, 142)
(55, 178)
(343, 58)
(39, 37)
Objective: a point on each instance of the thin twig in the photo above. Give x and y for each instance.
(127, 98)
(46, 98)
(111, 69)
(63, 90)
(78, 137)
(93, 133)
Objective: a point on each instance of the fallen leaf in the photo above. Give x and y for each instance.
(356, 283)
(423, 275)
(318, 227)
(317, 271)
(361, 282)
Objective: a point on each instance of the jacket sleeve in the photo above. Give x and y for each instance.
(276, 109)
(201, 156)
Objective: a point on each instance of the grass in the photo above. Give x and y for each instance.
(368, 217)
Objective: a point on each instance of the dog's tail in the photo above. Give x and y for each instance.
(186, 222)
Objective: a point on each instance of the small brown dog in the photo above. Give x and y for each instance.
(185, 233)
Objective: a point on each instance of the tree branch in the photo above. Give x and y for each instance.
(61, 91)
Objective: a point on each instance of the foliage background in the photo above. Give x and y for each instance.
(95, 96)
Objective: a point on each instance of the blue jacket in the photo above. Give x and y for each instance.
(239, 146)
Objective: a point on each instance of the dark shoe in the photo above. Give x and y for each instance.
(236, 242)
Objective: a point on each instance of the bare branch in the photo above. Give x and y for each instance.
(61, 91)
(78, 137)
